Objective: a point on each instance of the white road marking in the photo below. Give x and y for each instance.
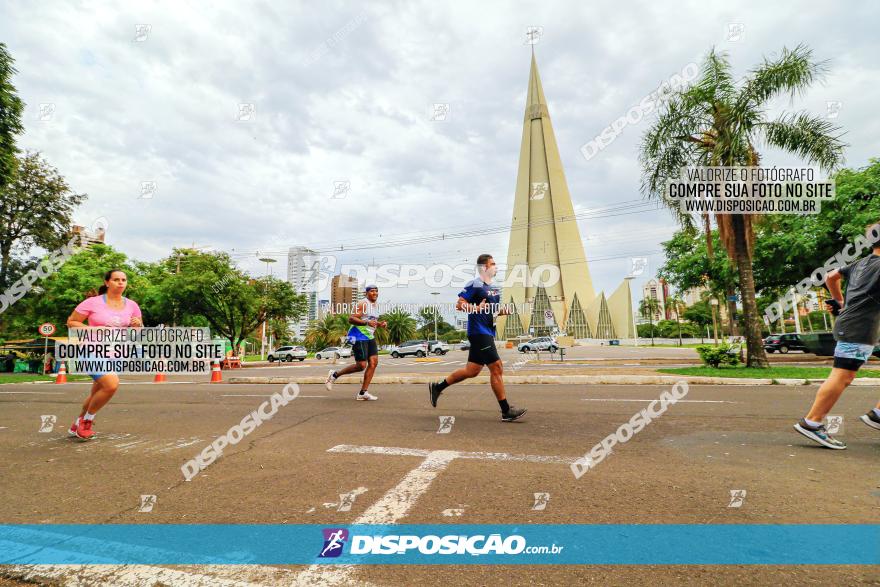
(681, 401)
(419, 452)
(397, 502)
(262, 395)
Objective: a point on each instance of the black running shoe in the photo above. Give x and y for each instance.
(871, 419)
(513, 414)
(819, 434)
(434, 393)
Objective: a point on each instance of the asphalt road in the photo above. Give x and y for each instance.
(679, 469)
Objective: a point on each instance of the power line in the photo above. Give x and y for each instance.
(651, 206)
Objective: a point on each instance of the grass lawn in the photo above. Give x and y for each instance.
(771, 373)
(25, 377)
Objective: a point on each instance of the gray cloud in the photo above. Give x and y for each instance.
(343, 92)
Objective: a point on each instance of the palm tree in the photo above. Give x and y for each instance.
(676, 304)
(717, 122)
(648, 307)
(401, 326)
(328, 331)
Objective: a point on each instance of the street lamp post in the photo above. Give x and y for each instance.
(267, 261)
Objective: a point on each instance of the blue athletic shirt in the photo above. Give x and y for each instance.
(474, 292)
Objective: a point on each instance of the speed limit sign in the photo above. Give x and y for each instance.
(47, 329)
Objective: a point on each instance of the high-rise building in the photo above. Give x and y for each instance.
(88, 237)
(656, 290)
(304, 274)
(345, 293)
(544, 231)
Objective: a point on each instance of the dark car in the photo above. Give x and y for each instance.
(784, 343)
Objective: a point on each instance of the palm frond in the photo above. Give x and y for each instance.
(716, 80)
(814, 138)
(793, 72)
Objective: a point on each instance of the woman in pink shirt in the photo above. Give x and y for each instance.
(108, 308)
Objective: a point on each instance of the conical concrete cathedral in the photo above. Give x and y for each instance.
(544, 231)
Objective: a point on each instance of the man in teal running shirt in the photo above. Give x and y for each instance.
(362, 335)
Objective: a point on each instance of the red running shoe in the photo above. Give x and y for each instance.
(72, 430)
(84, 430)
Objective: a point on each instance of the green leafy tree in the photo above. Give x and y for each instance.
(687, 264)
(36, 208)
(401, 326)
(426, 319)
(676, 305)
(700, 314)
(327, 331)
(209, 286)
(279, 329)
(56, 296)
(11, 108)
(647, 308)
(718, 121)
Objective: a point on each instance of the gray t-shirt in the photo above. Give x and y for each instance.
(859, 321)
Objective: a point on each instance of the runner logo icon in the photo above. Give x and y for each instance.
(334, 540)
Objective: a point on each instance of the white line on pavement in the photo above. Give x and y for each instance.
(681, 401)
(262, 395)
(395, 504)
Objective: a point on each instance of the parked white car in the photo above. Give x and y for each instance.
(288, 353)
(418, 348)
(339, 352)
(542, 343)
(438, 347)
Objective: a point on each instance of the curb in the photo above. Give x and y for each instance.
(549, 380)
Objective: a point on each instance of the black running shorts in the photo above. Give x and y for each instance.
(483, 351)
(364, 349)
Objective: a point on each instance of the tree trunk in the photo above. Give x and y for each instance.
(731, 311)
(756, 355)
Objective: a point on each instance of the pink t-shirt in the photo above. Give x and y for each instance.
(100, 314)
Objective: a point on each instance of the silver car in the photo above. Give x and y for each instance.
(542, 343)
(418, 348)
(288, 353)
(339, 352)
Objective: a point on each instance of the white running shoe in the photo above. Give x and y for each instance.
(366, 396)
(330, 379)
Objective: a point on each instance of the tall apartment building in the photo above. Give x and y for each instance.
(303, 273)
(345, 293)
(657, 289)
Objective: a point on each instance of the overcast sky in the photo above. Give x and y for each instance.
(344, 92)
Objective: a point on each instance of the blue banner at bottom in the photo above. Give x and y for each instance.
(628, 544)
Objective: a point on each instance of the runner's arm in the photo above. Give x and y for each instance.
(355, 317)
(76, 320)
(833, 281)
